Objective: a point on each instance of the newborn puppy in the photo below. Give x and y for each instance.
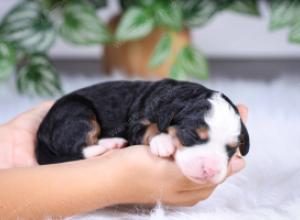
(200, 128)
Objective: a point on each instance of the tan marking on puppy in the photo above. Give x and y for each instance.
(233, 145)
(150, 132)
(175, 139)
(92, 135)
(202, 133)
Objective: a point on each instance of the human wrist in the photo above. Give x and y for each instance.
(124, 180)
(89, 184)
(136, 176)
(107, 173)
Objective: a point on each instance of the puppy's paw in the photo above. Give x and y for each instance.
(104, 145)
(162, 145)
(112, 143)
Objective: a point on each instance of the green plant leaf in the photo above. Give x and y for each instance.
(81, 25)
(284, 13)
(294, 34)
(135, 23)
(29, 27)
(197, 13)
(125, 4)
(169, 14)
(52, 4)
(245, 7)
(177, 72)
(192, 62)
(161, 51)
(98, 3)
(7, 60)
(38, 76)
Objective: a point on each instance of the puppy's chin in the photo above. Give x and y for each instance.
(202, 166)
(213, 180)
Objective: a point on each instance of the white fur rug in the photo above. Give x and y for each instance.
(269, 187)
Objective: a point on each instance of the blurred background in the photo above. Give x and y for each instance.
(248, 49)
(50, 47)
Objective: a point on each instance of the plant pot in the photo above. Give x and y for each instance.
(132, 57)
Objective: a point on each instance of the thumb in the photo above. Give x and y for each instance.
(31, 119)
(236, 164)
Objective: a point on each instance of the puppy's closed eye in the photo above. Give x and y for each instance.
(188, 137)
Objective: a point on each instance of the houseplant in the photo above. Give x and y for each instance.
(28, 31)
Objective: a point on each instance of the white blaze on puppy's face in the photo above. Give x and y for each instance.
(208, 161)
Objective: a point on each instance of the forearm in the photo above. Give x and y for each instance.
(57, 190)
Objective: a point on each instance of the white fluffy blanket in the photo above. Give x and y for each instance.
(268, 188)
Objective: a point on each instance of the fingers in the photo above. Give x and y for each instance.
(189, 185)
(38, 111)
(23, 156)
(191, 198)
(30, 120)
(236, 164)
(243, 110)
(42, 109)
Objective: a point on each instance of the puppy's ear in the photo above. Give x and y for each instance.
(244, 140)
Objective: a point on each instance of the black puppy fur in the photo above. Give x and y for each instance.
(120, 109)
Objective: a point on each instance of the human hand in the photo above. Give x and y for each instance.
(145, 179)
(17, 137)
(237, 163)
(148, 179)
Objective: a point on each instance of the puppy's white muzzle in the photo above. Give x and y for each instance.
(202, 167)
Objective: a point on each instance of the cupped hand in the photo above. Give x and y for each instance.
(148, 179)
(237, 162)
(17, 137)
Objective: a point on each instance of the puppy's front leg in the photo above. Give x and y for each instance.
(162, 145)
(104, 145)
